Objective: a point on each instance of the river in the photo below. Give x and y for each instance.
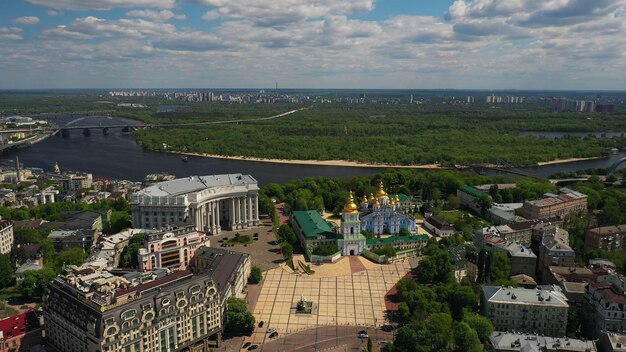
(118, 156)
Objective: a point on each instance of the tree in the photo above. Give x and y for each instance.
(239, 320)
(466, 339)
(370, 346)
(6, 271)
(119, 221)
(255, 275)
(35, 281)
(482, 325)
(405, 340)
(500, 266)
(387, 250)
(453, 202)
(460, 298)
(404, 232)
(71, 256)
(286, 233)
(325, 250)
(129, 258)
(435, 269)
(287, 250)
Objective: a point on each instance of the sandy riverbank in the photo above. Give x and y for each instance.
(313, 162)
(570, 160)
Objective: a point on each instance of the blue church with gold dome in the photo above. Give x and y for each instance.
(381, 214)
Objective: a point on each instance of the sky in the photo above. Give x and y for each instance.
(403, 44)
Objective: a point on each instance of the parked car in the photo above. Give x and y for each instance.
(274, 334)
(261, 323)
(271, 330)
(253, 347)
(247, 344)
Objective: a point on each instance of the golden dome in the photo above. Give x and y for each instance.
(350, 207)
(364, 201)
(381, 191)
(396, 199)
(372, 196)
(376, 203)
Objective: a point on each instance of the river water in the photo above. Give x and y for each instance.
(118, 156)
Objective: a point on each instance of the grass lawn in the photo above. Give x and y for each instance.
(245, 239)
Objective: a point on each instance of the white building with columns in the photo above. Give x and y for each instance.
(211, 203)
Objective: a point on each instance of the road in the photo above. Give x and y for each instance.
(340, 338)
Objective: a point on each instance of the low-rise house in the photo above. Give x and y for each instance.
(438, 226)
(20, 332)
(470, 198)
(20, 272)
(66, 239)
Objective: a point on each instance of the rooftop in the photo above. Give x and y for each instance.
(506, 341)
(517, 295)
(191, 184)
(473, 191)
(222, 264)
(395, 239)
(312, 225)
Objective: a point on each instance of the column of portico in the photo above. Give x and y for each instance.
(239, 222)
(256, 209)
(211, 219)
(231, 214)
(217, 217)
(214, 217)
(243, 213)
(250, 215)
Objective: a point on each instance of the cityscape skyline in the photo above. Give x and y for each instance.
(481, 44)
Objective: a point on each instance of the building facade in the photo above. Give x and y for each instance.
(534, 311)
(6, 236)
(560, 205)
(607, 238)
(88, 310)
(211, 203)
(172, 248)
(604, 309)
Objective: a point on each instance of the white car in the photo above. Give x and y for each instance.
(363, 335)
(271, 330)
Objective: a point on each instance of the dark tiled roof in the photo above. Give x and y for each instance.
(155, 283)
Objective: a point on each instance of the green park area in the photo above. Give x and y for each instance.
(389, 134)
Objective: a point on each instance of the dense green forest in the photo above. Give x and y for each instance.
(402, 134)
(371, 133)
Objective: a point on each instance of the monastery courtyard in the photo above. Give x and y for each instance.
(350, 292)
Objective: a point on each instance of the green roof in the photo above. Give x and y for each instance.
(396, 239)
(473, 191)
(312, 225)
(401, 196)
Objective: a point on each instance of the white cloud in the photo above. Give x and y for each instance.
(102, 4)
(162, 15)
(92, 27)
(53, 13)
(27, 20)
(210, 16)
(12, 33)
(280, 12)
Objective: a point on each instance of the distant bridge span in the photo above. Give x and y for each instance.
(614, 167)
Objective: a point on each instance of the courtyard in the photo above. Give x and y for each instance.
(350, 292)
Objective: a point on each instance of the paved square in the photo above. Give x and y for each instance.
(352, 299)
